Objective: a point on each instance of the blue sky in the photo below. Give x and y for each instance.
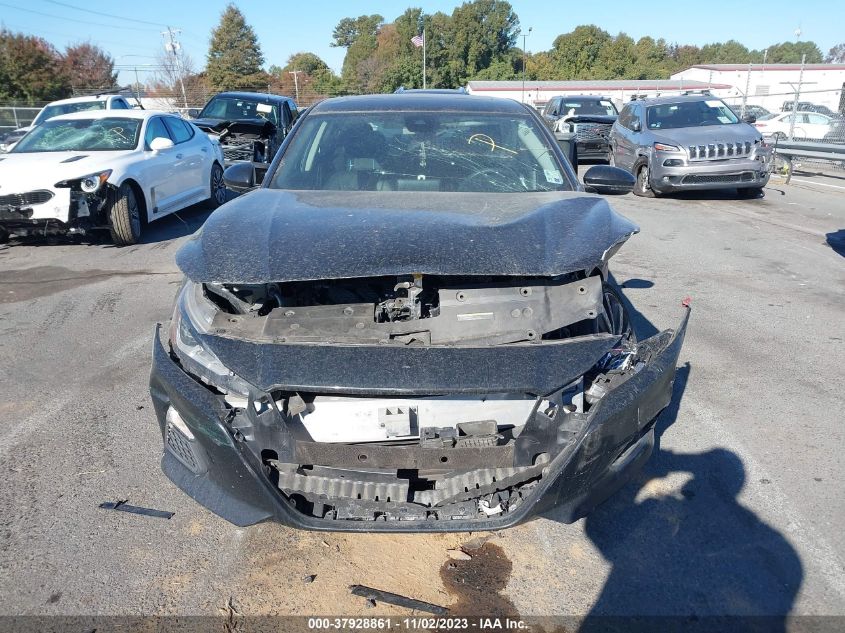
(287, 27)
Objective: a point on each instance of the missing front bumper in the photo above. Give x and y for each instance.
(598, 451)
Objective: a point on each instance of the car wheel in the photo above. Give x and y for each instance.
(218, 187)
(749, 193)
(779, 136)
(615, 319)
(124, 216)
(643, 186)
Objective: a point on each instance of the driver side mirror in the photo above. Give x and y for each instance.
(607, 180)
(636, 126)
(160, 143)
(749, 118)
(239, 177)
(193, 113)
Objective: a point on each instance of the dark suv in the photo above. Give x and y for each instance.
(589, 117)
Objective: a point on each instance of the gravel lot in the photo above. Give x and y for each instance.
(740, 512)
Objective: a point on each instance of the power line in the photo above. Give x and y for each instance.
(60, 17)
(105, 15)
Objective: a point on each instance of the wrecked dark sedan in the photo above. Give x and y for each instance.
(409, 327)
(250, 126)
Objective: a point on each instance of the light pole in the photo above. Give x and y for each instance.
(524, 44)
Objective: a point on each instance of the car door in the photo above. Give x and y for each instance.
(818, 125)
(623, 138)
(158, 169)
(550, 112)
(193, 164)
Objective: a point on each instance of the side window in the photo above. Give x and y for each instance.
(119, 104)
(556, 106)
(625, 117)
(636, 118)
(818, 119)
(287, 118)
(179, 131)
(155, 129)
(293, 111)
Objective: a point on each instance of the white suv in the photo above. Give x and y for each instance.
(65, 106)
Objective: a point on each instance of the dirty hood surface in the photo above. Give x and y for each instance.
(273, 236)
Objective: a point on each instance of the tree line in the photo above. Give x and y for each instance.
(477, 41)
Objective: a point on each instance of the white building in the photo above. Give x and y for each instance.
(537, 93)
(770, 85)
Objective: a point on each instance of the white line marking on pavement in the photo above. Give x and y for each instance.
(820, 184)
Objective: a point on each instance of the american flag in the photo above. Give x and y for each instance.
(417, 41)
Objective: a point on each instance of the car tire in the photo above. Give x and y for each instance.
(124, 216)
(217, 195)
(643, 186)
(749, 193)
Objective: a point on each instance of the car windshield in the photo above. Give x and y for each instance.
(67, 108)
(602, 107)
(234, 108)
(668, 116)
(89, 135)
(419, 151)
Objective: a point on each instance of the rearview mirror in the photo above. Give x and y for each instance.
(193, 113)
(608, 180)
(239, 177)
(160, 143)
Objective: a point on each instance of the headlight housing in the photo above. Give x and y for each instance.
(88, 184)
(192, 317)
(664, 147)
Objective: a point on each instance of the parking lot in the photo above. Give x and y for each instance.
(740, 510)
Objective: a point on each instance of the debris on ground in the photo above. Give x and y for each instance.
(458, 554)
(124, 507)
(377, 595)
(309, 578)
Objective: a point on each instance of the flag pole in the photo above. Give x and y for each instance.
(423, 67)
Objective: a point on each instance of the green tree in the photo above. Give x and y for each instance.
(791, 52)
(358, 36)
(576, 54)
(309, 63)
(480, 33)
(89, 66)
(234, 56)
(30, 69)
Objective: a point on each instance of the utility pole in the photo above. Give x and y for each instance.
(295, 74)
(797, 95)
(425, 43)
(524, 46)
(172, 46)
(745, 94)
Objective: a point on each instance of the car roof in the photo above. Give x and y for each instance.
(677, 99)
(419, 102)
(84, 99)
(253, 95)
(581, 97)
(111, 114)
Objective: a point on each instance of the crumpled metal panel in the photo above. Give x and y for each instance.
(272, 235)
(535, 368)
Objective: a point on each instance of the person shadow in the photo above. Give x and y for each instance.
(689, 556)
(685, 554)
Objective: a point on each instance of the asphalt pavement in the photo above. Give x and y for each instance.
(740, 510)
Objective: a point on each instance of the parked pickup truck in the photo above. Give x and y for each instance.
(588, 117)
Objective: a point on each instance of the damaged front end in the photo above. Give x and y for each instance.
(407, 402)
(243, 140)
(74, 206)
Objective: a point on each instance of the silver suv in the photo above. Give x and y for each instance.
(688, 142)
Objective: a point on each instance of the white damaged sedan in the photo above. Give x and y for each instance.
(107, 170)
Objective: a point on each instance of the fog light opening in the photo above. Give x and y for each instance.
(174, 419)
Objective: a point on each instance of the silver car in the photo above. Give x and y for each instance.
(688, 142)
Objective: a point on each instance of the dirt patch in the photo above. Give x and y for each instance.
(477, 584)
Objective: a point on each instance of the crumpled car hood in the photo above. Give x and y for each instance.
(274, 236)
(236, 126)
